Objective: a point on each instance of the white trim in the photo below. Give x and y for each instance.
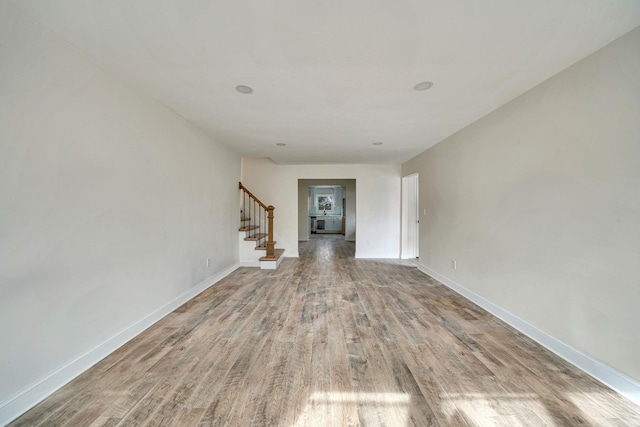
(410, 217)
(255, 263)
(24, 400)
(607, 375)
(271, 264)
(376, 255)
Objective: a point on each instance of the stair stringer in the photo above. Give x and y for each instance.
(249, 256)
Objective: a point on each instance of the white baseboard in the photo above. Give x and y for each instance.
(252, 263)
(607, 375)
(377, 255)
(22, 401)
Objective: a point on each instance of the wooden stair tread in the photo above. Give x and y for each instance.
(263, 247)
(257, 236)
(248, 228)
(277, 253)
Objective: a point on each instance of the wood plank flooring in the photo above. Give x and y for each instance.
(328, 340)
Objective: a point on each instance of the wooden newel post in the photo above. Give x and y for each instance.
(270, 242)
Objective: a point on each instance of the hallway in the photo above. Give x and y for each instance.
(330, 340)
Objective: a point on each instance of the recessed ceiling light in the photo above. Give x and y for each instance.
(244, 89)
(423, 86)
(280, 144)
(377, 143)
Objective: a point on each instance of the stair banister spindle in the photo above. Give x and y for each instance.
(246, 205)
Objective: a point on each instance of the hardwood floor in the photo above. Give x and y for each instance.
(329, 340)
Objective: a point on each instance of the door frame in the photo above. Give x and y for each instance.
(410, 235)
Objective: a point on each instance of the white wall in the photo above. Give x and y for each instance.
(539, 204)
(377, 201)
(109, 206)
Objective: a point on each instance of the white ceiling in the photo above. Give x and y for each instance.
(333, 76)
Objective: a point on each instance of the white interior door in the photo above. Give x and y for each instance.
(410, 217)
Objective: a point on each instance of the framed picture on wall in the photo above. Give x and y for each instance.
(325, 203)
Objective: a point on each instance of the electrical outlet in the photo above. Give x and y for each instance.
(454, 264)
(208, 262)
(424, 212)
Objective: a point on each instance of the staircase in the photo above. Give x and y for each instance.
(257, 247)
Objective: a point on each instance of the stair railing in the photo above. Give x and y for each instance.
(257, 219)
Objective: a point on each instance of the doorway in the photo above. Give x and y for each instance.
(410, 217)
(327, 208)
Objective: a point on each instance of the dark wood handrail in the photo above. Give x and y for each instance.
(243, 188)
